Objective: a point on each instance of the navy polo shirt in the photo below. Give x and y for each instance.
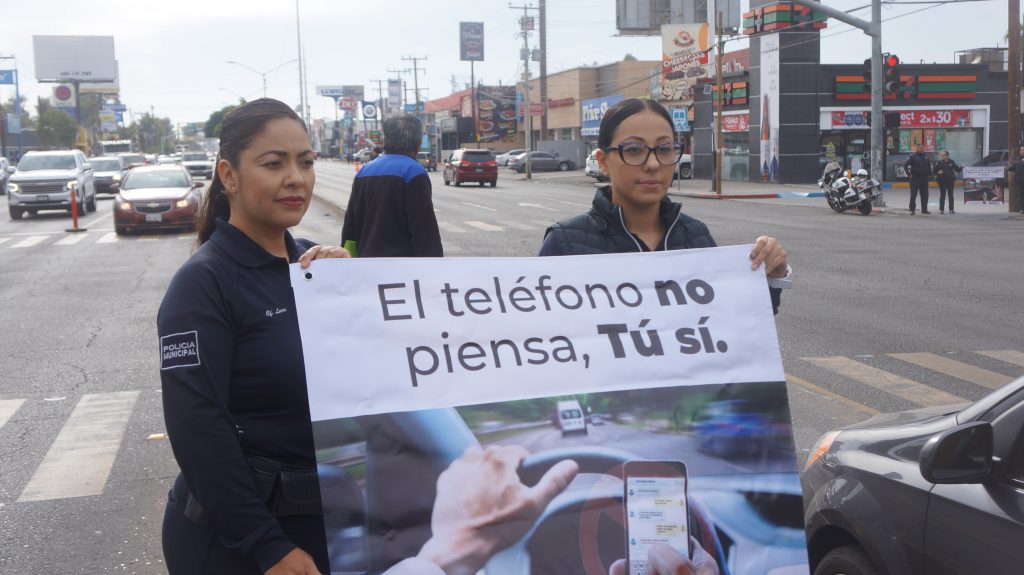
(234, 383)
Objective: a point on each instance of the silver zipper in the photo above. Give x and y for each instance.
(639, 248)
(669, 231)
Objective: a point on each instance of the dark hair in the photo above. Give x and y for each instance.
(402, 134)
(237, 131)
(625, 109)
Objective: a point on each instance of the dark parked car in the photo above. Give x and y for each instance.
(471, 166)
(427, 161)
(108, 172)
(541, 162)
(933, 491)
(159, 196)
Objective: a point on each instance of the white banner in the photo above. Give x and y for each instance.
(394, 335)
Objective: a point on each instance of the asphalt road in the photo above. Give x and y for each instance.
(887, 312)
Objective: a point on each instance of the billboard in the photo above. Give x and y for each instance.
(353, 92)
(331, 91)
(471, 41)
(74, 58)
(593, 111)
(496, 113)
(112, 87)
(684, 59)
(646, 17)
(770, 108)
(394, 95)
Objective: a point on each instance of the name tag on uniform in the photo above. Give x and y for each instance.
(179, 350)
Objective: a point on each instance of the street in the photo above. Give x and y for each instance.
(887, 312)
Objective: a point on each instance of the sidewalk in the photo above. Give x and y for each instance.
(897, 200)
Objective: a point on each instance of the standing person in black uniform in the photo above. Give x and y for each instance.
(945, 176)
(231, 366)
(638, 152)
(918, 168)
(1018, 178)
(390, 212)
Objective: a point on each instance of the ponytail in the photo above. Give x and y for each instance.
(215, 205)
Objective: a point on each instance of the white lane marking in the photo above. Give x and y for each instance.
(577, 204)
(7, 409)
(4, 240)
(187, 237)
(79, 461)
(95, 220)
(958, 369)
(484, 226)
(889, 382)
(1009, 356)
(148, 238)
(30, 241)
(479, 206)
(537, 206)
(108, 238)
(70, 239)
(518, 226)
(451, 228)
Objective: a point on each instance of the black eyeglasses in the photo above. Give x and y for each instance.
(636, 154)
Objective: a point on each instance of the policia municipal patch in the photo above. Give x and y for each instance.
(179, 350)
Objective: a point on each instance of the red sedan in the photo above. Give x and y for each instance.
(159, 196)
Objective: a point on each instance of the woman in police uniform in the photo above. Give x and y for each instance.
(231, 366)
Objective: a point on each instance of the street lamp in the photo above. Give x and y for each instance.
(262, 74)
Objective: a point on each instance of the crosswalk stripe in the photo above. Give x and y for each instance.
(958, 369)
(519, 226)
(1009, 356)
(70, 239)
(5, 240)
(450, 227)
(187, 237)
(80, 459)
(889, 382)
(148, 238)
(7, 409)
(484, 226)
(794, 380)
(108, 238)
(30, 241)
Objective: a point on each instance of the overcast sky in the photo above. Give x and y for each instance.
(172, 55)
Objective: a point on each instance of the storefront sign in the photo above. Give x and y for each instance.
(471, 41)
(850, 120)
(561, 102)
(935, 118)
(736, 123)
(593, 111)
(680, 118)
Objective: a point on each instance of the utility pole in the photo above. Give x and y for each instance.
(543, 68)
(405, 88)
(872, 28)
(524, 32)
(380, 99)
(1013, 98)
(718, 103)
(416, 78)
(302, 78)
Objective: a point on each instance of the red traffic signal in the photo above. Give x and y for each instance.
(892, 60)
(892, 73)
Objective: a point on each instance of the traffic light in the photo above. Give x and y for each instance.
(867, 75)
(892, 73)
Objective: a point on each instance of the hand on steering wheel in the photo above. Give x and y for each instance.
(482, 506)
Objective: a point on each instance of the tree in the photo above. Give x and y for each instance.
(56, 129)
(27, 123)
(629, 58)
(212, 127)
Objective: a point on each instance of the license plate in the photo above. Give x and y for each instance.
(479, 170)
(43, 198)
(154, 217)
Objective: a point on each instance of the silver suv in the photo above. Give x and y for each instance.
(48, 181)
(197, 164)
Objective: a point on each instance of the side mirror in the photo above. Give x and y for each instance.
(87, 167)
(11, 169)
(960, 455)
(197, 184)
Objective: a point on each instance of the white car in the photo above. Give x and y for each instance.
(503, 159)
(593, 169)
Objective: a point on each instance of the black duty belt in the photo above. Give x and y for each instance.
(287, 490)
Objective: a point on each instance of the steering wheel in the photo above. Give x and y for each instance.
(591, 460)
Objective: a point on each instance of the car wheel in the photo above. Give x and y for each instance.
(91, 206)
(121, 230)
(14, 212)
(494, 183)
(481, 182)
(848, 560)
(563, 167)
(864, 208)
(455, 181)
(686, 172)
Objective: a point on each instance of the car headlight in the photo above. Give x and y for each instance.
(122, 204)
(12, 187)
(184, 202)
(116, 177)
(72, 184)
(821, 448)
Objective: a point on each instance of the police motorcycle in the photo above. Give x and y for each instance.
(844, 192)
